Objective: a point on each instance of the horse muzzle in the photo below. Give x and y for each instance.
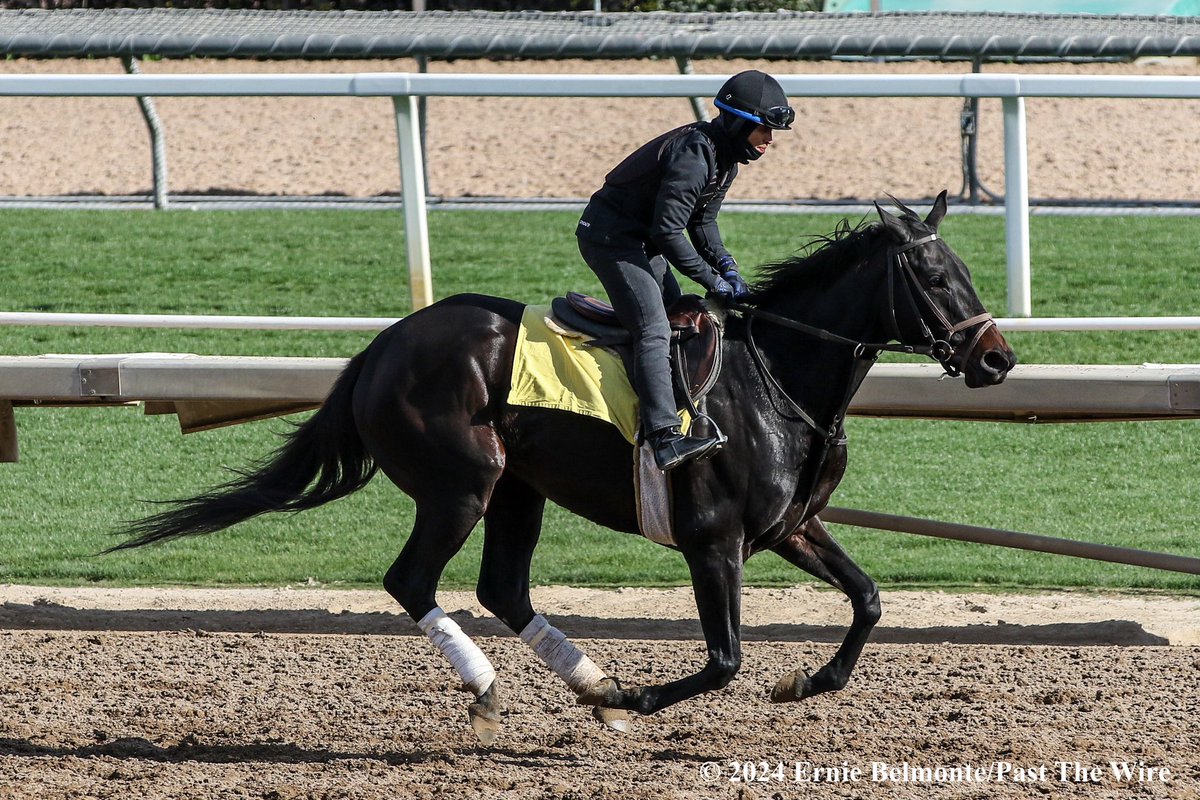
(989, 363)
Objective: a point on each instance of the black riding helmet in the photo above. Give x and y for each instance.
(749, 99)
(757, 97)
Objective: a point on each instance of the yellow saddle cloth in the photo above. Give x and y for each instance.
(555, 371)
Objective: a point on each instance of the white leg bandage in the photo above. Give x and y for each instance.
(577, 670)
(468, 660)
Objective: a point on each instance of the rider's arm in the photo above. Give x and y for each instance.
(686, 171)
(704, 233)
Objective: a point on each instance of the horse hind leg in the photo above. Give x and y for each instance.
(512, 526)
(443, 523)
(426, 407)
(814, 550)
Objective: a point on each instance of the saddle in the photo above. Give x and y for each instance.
(695, 340)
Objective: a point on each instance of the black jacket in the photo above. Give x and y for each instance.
(673, 183)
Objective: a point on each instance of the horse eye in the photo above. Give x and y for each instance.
(937, 280)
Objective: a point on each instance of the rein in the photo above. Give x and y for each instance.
(865, 354)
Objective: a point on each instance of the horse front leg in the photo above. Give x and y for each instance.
(717, 583)
(813, 549)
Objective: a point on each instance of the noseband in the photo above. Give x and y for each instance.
(939, 349)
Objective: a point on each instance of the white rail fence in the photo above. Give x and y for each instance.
(406, 88)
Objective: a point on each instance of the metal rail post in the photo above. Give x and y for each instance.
(158, 140)
(423, 115)
(412, 186)
(968, 126)
(1016, 207)
(699, 108)
(423, 101)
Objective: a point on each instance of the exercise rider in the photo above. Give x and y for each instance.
(633, 227)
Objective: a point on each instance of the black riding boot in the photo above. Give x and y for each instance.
(672, 448)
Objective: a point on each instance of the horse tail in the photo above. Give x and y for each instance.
(320, 460)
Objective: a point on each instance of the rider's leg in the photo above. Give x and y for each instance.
(667, 285)
(636, 295)
(636, 286)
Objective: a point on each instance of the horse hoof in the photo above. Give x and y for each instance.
(603, 693)
(485, 722)
(613, 718)
(486, 729)
(485, 716)
(791, 687)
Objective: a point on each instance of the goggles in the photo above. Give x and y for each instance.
(776, 117)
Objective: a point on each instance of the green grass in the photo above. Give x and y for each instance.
(83, 471)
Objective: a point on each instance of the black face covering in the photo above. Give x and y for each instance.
(738, 129)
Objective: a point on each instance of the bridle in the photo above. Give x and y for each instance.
(941, 350)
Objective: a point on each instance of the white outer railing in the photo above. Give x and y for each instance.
(405, 88)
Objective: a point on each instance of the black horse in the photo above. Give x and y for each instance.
(426, 404)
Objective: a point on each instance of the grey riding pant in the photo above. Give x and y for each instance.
(640, 288)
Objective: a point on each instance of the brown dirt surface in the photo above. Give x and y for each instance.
(538, 147)
(291, 693)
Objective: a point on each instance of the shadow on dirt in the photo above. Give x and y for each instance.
(50, 616)
(191, 749)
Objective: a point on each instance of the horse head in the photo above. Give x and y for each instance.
(933, 306)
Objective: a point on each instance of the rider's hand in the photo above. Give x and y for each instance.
(722, 290)
(729, 272)
(740, 290)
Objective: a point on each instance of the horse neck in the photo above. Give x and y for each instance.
(815, 373)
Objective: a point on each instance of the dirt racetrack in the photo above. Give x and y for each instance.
(540, 147)
(297, 694)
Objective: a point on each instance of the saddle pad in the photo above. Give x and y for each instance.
(552, 371)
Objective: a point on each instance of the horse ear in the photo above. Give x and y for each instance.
(894, 225)
(907, 212)
(937, 212)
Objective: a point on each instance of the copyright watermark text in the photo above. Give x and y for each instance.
(904, 772)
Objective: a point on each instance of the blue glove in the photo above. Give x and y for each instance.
(730, 273)
(722, 290)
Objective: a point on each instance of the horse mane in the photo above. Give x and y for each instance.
(821, 259)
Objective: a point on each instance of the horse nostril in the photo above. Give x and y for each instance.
(996, 362)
